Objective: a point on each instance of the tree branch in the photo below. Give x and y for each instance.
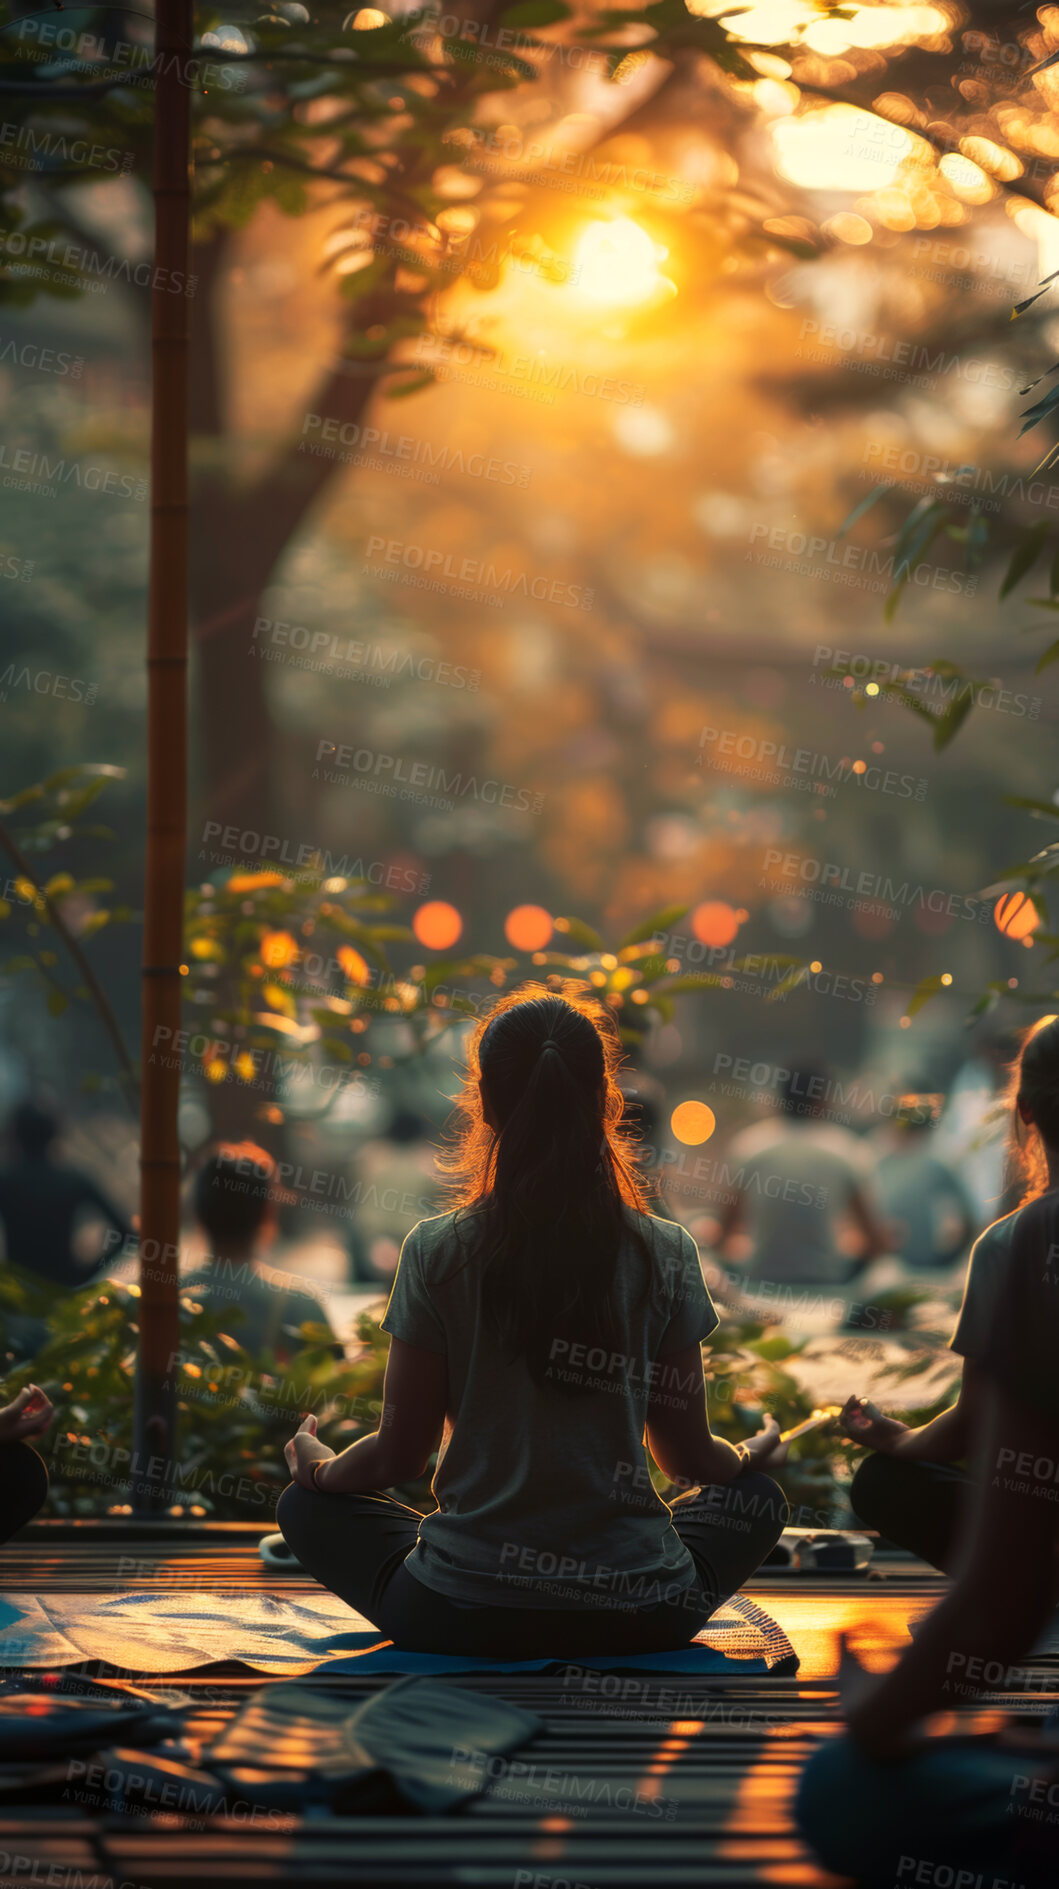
(91, 982)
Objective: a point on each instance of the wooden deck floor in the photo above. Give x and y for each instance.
(721, 1757)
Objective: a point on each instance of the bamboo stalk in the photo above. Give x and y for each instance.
(155, 1407)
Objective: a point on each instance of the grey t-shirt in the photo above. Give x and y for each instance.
(544, 1497)
(1009, 1321)
(274, 1306)
(983, 1288)
(797, 1178)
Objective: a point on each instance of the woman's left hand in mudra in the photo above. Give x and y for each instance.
(303, 1450)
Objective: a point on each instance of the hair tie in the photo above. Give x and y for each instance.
(549, 1043)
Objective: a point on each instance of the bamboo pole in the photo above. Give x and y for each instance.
(154, 1432)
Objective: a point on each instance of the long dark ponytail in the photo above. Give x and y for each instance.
(543, 1173)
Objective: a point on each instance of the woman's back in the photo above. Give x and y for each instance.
(543, 1490)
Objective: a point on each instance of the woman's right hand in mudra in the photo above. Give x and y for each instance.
(27, 1415)
(767, 1449)
(304, 1449)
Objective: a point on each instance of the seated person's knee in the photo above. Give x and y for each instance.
(830, 1778)
(768, 1508)
(24, 1479)
(872, 1489)
(291, 1509)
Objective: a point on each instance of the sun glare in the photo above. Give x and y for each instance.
(840, 147)
(786, 22)
(617, 263)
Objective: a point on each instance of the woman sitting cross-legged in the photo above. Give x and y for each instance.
(916, 1485)
(539, 1330)
(893, 1802)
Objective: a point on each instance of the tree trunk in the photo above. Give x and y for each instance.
(155, 1403)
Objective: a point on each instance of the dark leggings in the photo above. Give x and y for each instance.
(357, 1546)
(23, 1487)
(917, 1506)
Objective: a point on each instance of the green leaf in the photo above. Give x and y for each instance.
(579, 934)
(865, 505)
(1035, 414)
(1051, 655)
(774, 1349)
(399, 390)
(58, 1002)
(987, 1001)
(914, 539)
(1043, 809)
(1021, 307)
(654, 927)
(692, 980)
(948, 725)
(535, 13)
(924, 991)
(1027, 551)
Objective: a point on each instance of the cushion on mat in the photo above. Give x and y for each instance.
(161, 1632)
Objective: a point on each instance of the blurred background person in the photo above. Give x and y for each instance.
(972, 1135)
(49, 1209)
(396, 1185)
(235, 1203)
(930, 1215)
(799, 1184)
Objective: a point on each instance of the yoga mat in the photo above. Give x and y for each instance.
(176, 1632)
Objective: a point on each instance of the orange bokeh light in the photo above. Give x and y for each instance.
(1016, 915)
(437, 925)
(356, 969)
(692, 1123)
(715, 923)
(253, 881)
(528, 928)
(278, 949)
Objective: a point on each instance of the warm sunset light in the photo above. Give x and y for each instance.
(775, 22)
(528, 928)
(617, 263)
(437, 925)
(715, 923)
(692, 1123)
(839, 147)
(1016, 915)
(588, 644)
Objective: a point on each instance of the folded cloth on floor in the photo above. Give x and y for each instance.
(434, 1744)
(160, 1632)
(35, 1724)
